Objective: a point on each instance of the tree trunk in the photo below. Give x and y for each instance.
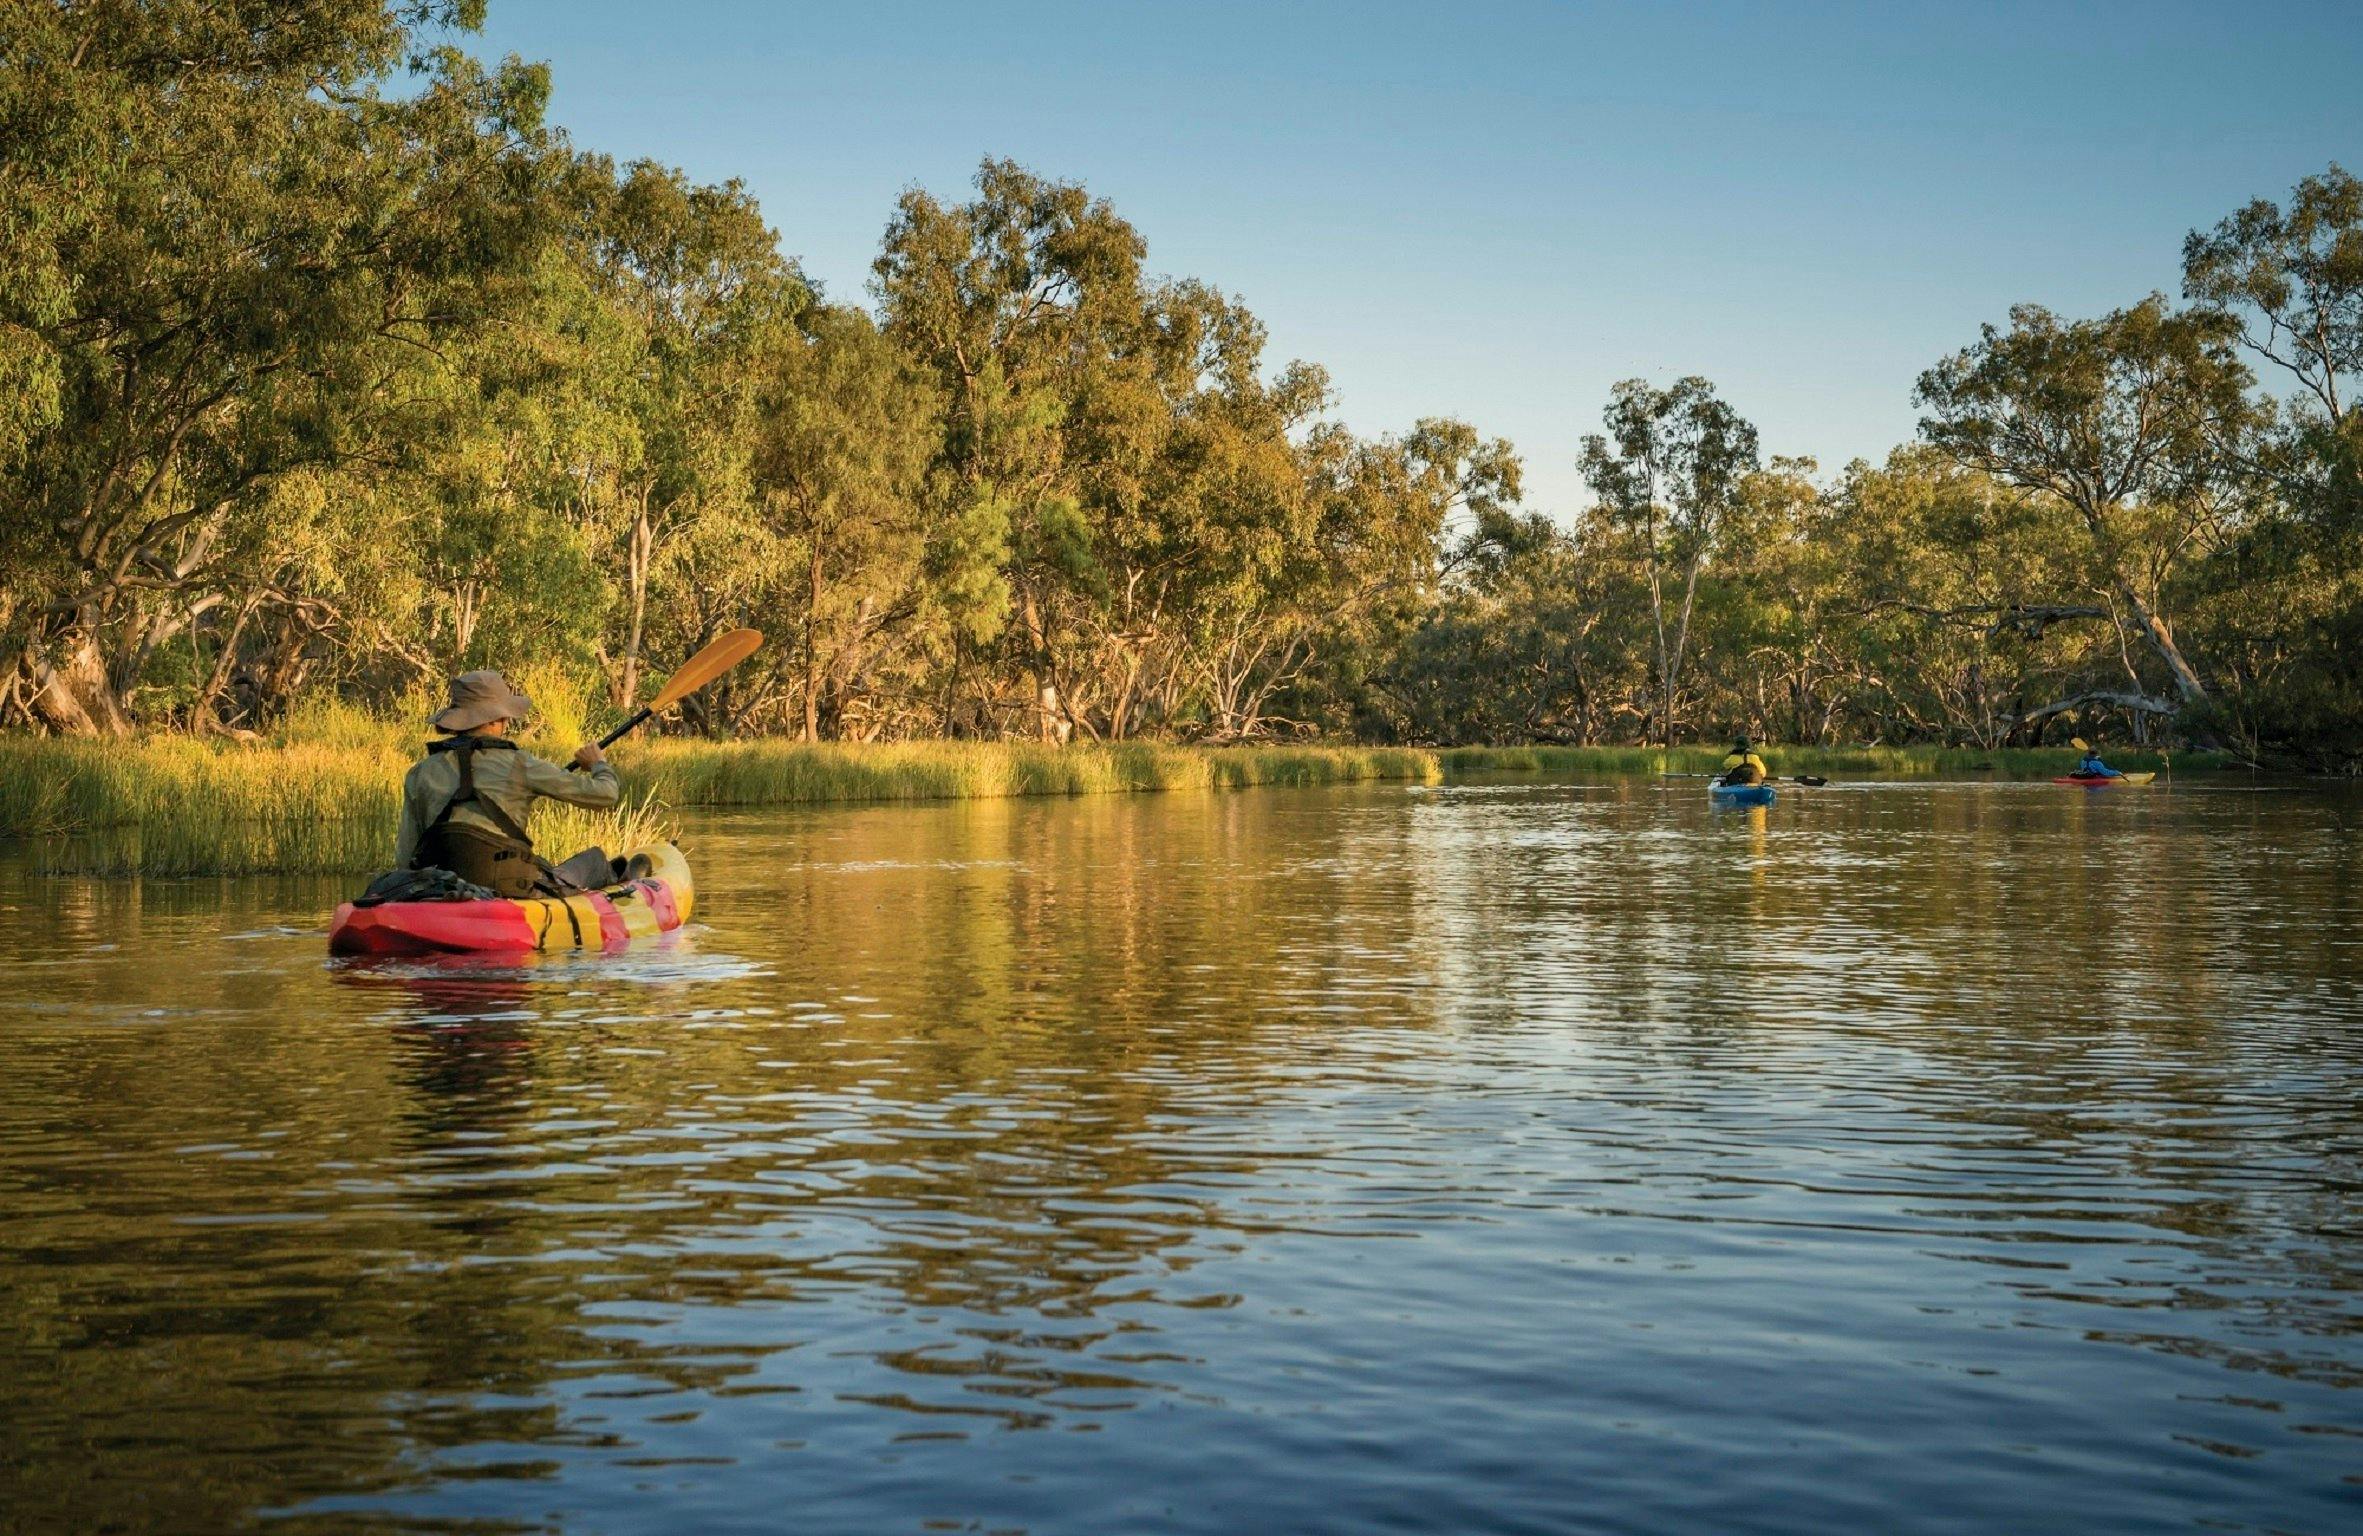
(637, 557)
(1050, 716)
(1681, 642)
(1665, 676)
(2155, 630)
(205, 716)
(70, 692)
(812, 646)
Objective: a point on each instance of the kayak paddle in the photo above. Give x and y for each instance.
(1809, 780)
(718, 657)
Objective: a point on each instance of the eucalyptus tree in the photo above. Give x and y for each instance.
(2294, 278)
(2285, 609)
(845, 425)
(2120, 421)
(1027, 305)
(698, 296)
(1670, 467)
(1948, 612)
(263, 220)
(1370, 566)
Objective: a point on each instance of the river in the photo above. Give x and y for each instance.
(1488, 1157)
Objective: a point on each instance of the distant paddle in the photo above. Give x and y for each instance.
(1809, 780)
(718, 657)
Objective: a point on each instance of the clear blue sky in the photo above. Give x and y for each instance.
(1495, 211)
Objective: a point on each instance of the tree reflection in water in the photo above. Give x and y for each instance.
(1447, 1123)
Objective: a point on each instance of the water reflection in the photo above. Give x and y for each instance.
(1503, 1157)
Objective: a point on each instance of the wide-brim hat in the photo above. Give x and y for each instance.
(479, 698)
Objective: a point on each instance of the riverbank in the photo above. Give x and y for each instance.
(1825, 762)
(177, 805)
(328, 800)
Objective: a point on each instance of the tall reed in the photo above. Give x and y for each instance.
(795, 773)
(327, 795)
(171, 805)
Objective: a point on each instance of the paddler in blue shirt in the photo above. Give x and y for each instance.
(2093, 768)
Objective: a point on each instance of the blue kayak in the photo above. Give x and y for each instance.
(1740, 794)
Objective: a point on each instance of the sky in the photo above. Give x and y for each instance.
(1497, 210)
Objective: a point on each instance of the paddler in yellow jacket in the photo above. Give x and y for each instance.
(464, 807)
(1742, 765)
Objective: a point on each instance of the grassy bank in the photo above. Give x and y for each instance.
(794, 773)
(177, 806)
(326, 798)
(1828, 762)
(329, 801)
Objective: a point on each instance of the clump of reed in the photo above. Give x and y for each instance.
(804, 773)
(177, 805)
(325, 796)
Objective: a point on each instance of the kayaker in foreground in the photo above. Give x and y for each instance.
(464, 807)
(2093, 768)
(1742, 766)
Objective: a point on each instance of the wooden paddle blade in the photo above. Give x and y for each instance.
(718, 657)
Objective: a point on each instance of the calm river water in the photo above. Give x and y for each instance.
(1511, 1157)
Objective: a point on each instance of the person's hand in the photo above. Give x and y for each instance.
(588, 755)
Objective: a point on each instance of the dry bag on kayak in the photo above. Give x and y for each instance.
(420, 885)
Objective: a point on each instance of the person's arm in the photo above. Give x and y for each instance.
(595, 788)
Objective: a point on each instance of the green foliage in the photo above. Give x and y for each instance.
(1670, 470)
(327, 369)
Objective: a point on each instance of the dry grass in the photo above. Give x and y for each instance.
(797, 773)
(326, 796)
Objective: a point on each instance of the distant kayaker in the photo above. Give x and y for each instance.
(2093, 768)
(464, 807)
(1742, 766)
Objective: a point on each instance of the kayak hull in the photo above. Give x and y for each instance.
(2096, 781)
(1740, 794)
(606, 920)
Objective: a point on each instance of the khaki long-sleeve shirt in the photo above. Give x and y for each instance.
(510, 778)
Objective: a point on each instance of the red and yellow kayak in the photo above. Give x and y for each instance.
(2105, 781)
(608, 919)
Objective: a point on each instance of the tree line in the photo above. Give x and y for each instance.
(328, 365)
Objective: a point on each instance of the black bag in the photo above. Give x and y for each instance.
(420, 885)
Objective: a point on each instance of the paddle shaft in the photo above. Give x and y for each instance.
(625, 729)
(1771, 778)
